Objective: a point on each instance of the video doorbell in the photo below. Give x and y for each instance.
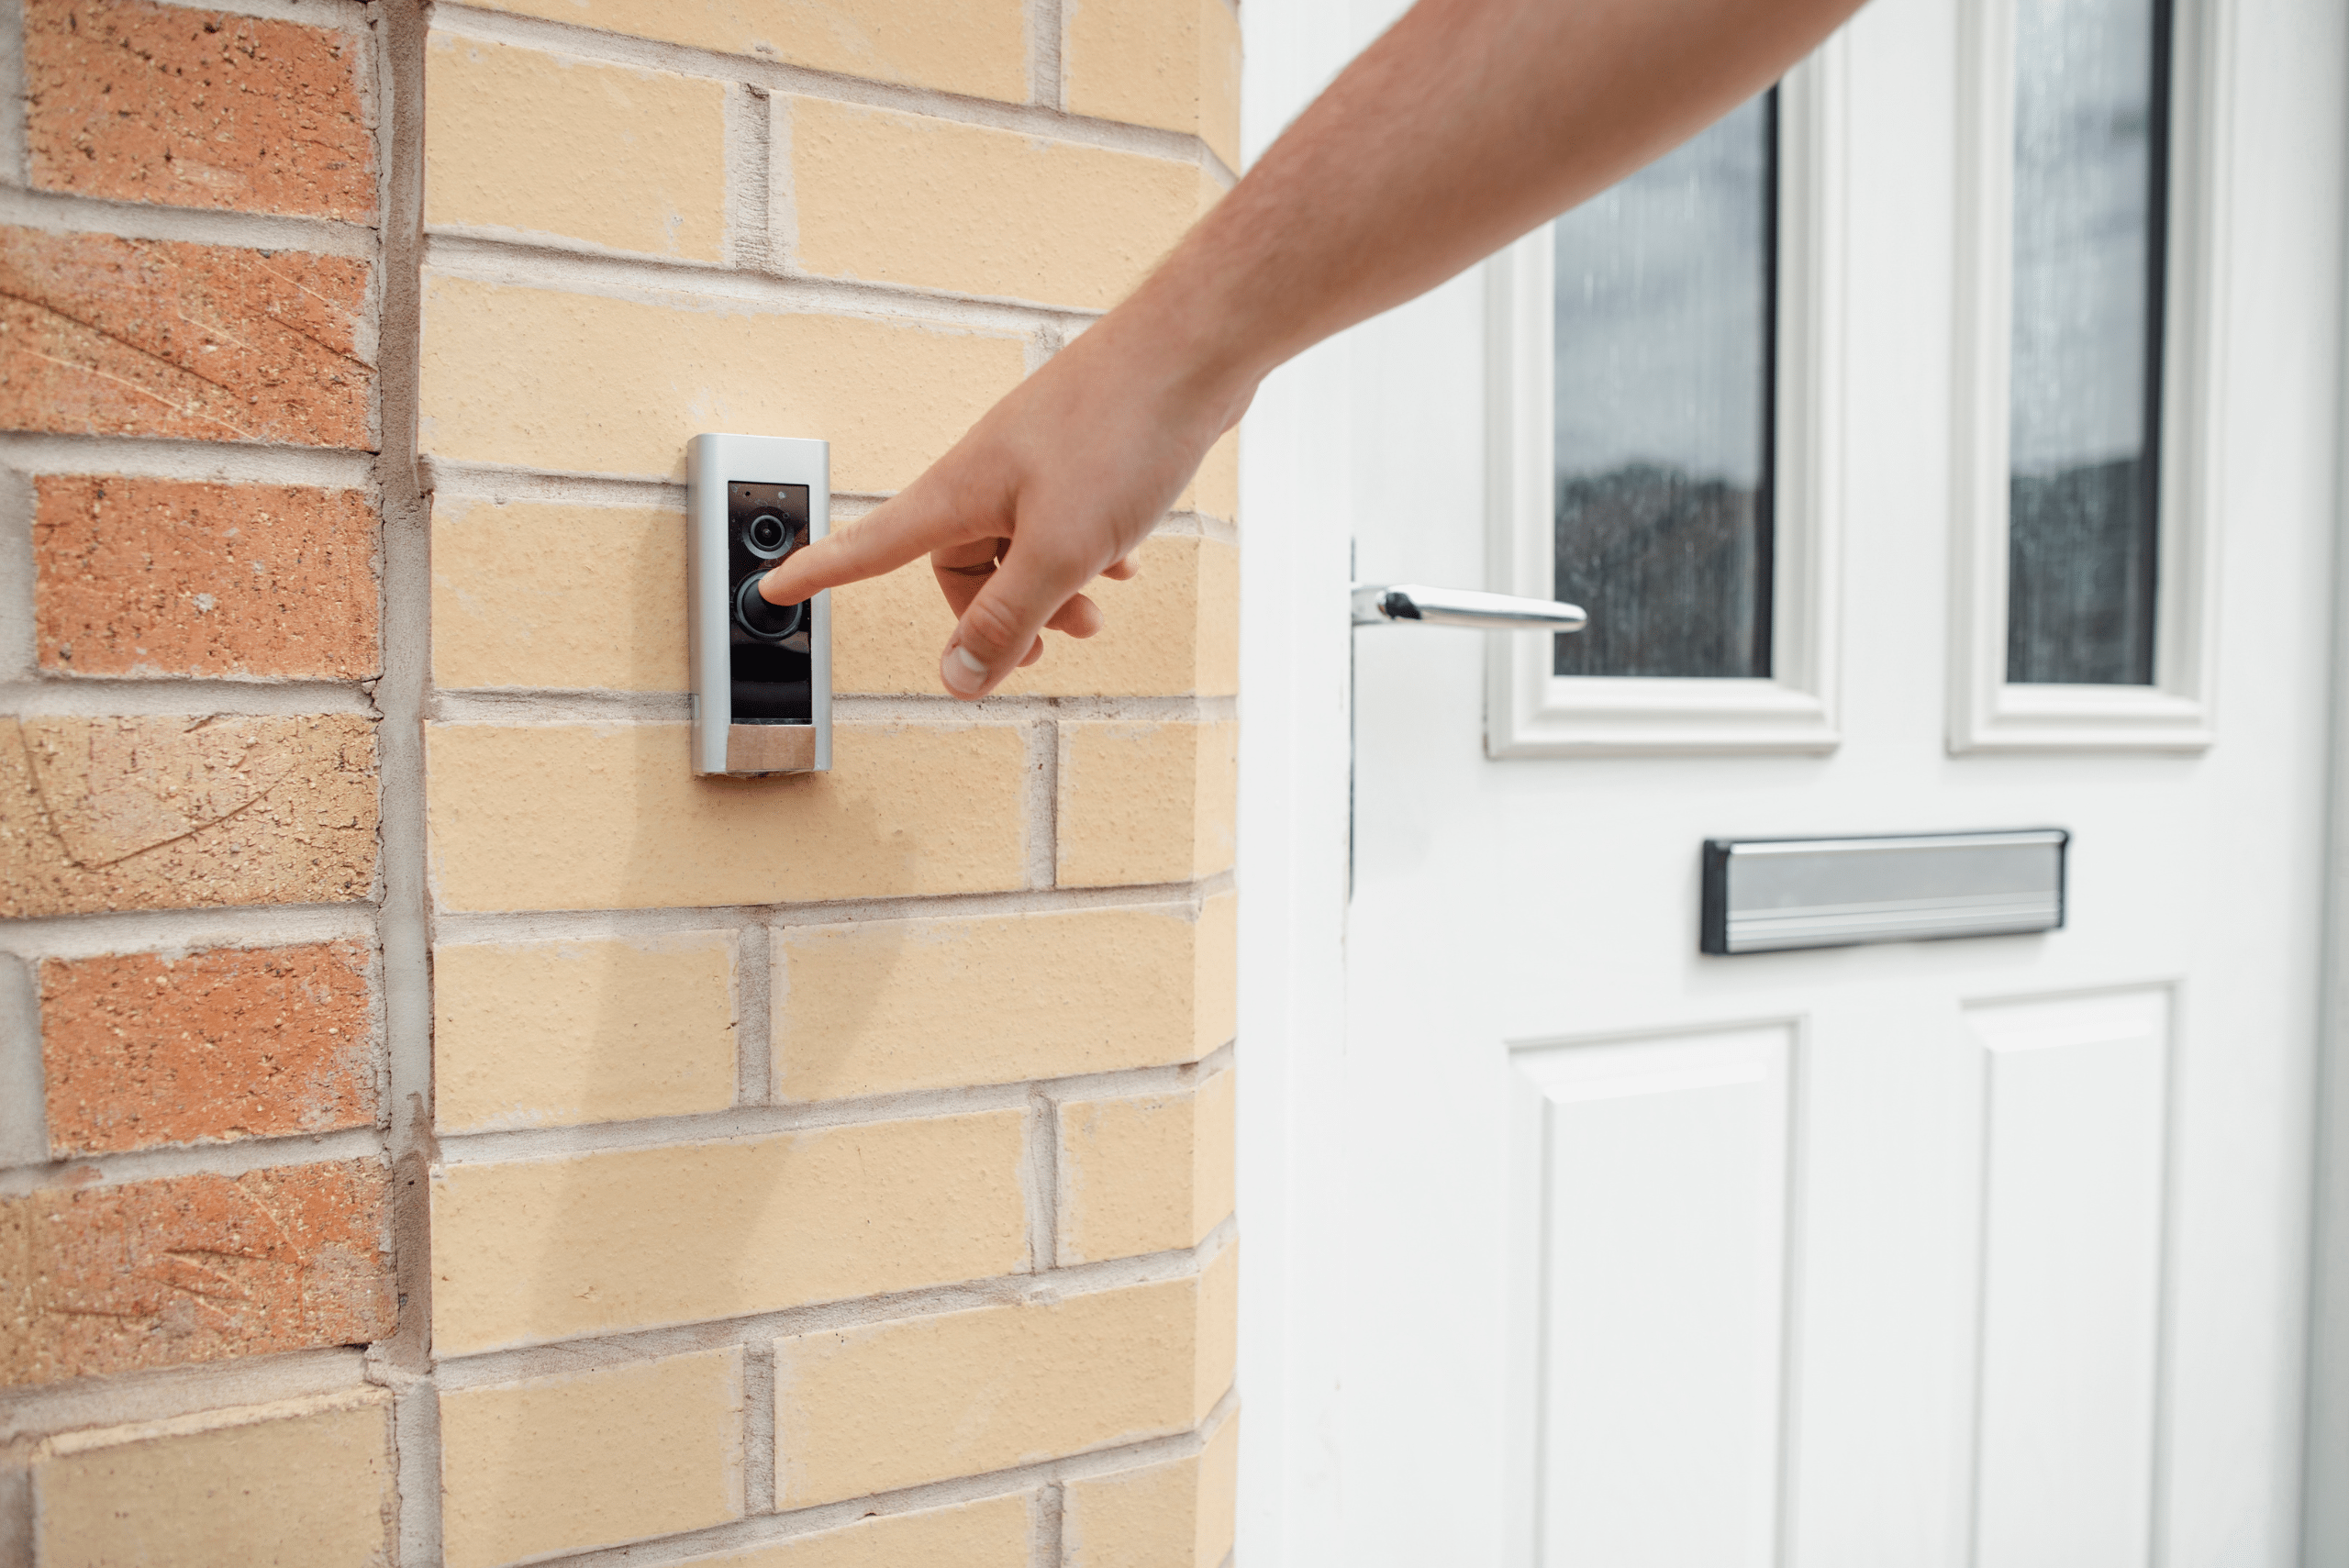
(762, 672)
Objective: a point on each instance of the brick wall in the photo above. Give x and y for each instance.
(434, 1128)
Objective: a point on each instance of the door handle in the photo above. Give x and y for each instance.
(1405, 603)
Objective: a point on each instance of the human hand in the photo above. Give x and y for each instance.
(1053, 487)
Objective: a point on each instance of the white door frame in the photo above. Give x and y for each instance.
(2324, 1494)
(1296, 738)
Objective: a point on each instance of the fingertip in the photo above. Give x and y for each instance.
(962, 673)
(798, 576)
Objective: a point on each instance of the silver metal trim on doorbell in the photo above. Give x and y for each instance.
(793, 735)
(1770, 895)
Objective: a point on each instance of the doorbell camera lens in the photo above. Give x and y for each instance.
(769, 622)
(767, 537)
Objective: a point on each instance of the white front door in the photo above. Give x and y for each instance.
(1944, 445)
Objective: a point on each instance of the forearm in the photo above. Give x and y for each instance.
(1466, 125)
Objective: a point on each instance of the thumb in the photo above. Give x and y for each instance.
(1001, 623)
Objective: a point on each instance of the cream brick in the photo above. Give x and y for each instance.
(522, 140)
(978, 47)
(889, 197)
(1218, 596)
(1215, 489)
(889, 1405)
(1219, 941)
(991, 1534)
(1145, 803)
(306, 1481)
(552, 1034)
(1171, 63)
(602, 816)
(878, 1006)
(553, 1249)
(567, 597)
(592, 1459)
(1175, 1515)
(1173, 629)
(585, 383)
(1219, 1326)
(1144, 1173)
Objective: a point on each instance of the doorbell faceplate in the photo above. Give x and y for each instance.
(763, 673)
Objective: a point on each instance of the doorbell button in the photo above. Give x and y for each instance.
(762, 617)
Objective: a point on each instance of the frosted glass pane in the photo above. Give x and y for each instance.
(2087, 343)
(1663, 322)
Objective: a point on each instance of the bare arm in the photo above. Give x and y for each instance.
(1464, 126)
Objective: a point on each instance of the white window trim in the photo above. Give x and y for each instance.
(1529, 711)
(1986, 712)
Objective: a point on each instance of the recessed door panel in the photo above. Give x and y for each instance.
(2071, 1278)
(1657, 1171)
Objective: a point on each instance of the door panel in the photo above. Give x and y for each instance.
(2073, 1129)
(1657, 1172)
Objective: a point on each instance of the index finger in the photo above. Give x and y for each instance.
(908, 525)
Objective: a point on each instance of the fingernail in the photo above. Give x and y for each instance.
(963, 673)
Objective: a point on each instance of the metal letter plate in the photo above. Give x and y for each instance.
(1770, 895)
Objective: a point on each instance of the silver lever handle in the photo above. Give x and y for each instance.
(1403, 603)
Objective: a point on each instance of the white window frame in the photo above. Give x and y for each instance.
(1530, 712)
(1988, 712)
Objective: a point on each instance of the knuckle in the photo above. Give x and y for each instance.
(1052, 560)
(991, 629)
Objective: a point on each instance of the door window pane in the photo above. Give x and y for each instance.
(1665, 320)
(2084, 412)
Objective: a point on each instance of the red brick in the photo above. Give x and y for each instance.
(105, 336)
(170, 812)
(143, 1050)
(158, 577)
(141, 103)
(195, 1268)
